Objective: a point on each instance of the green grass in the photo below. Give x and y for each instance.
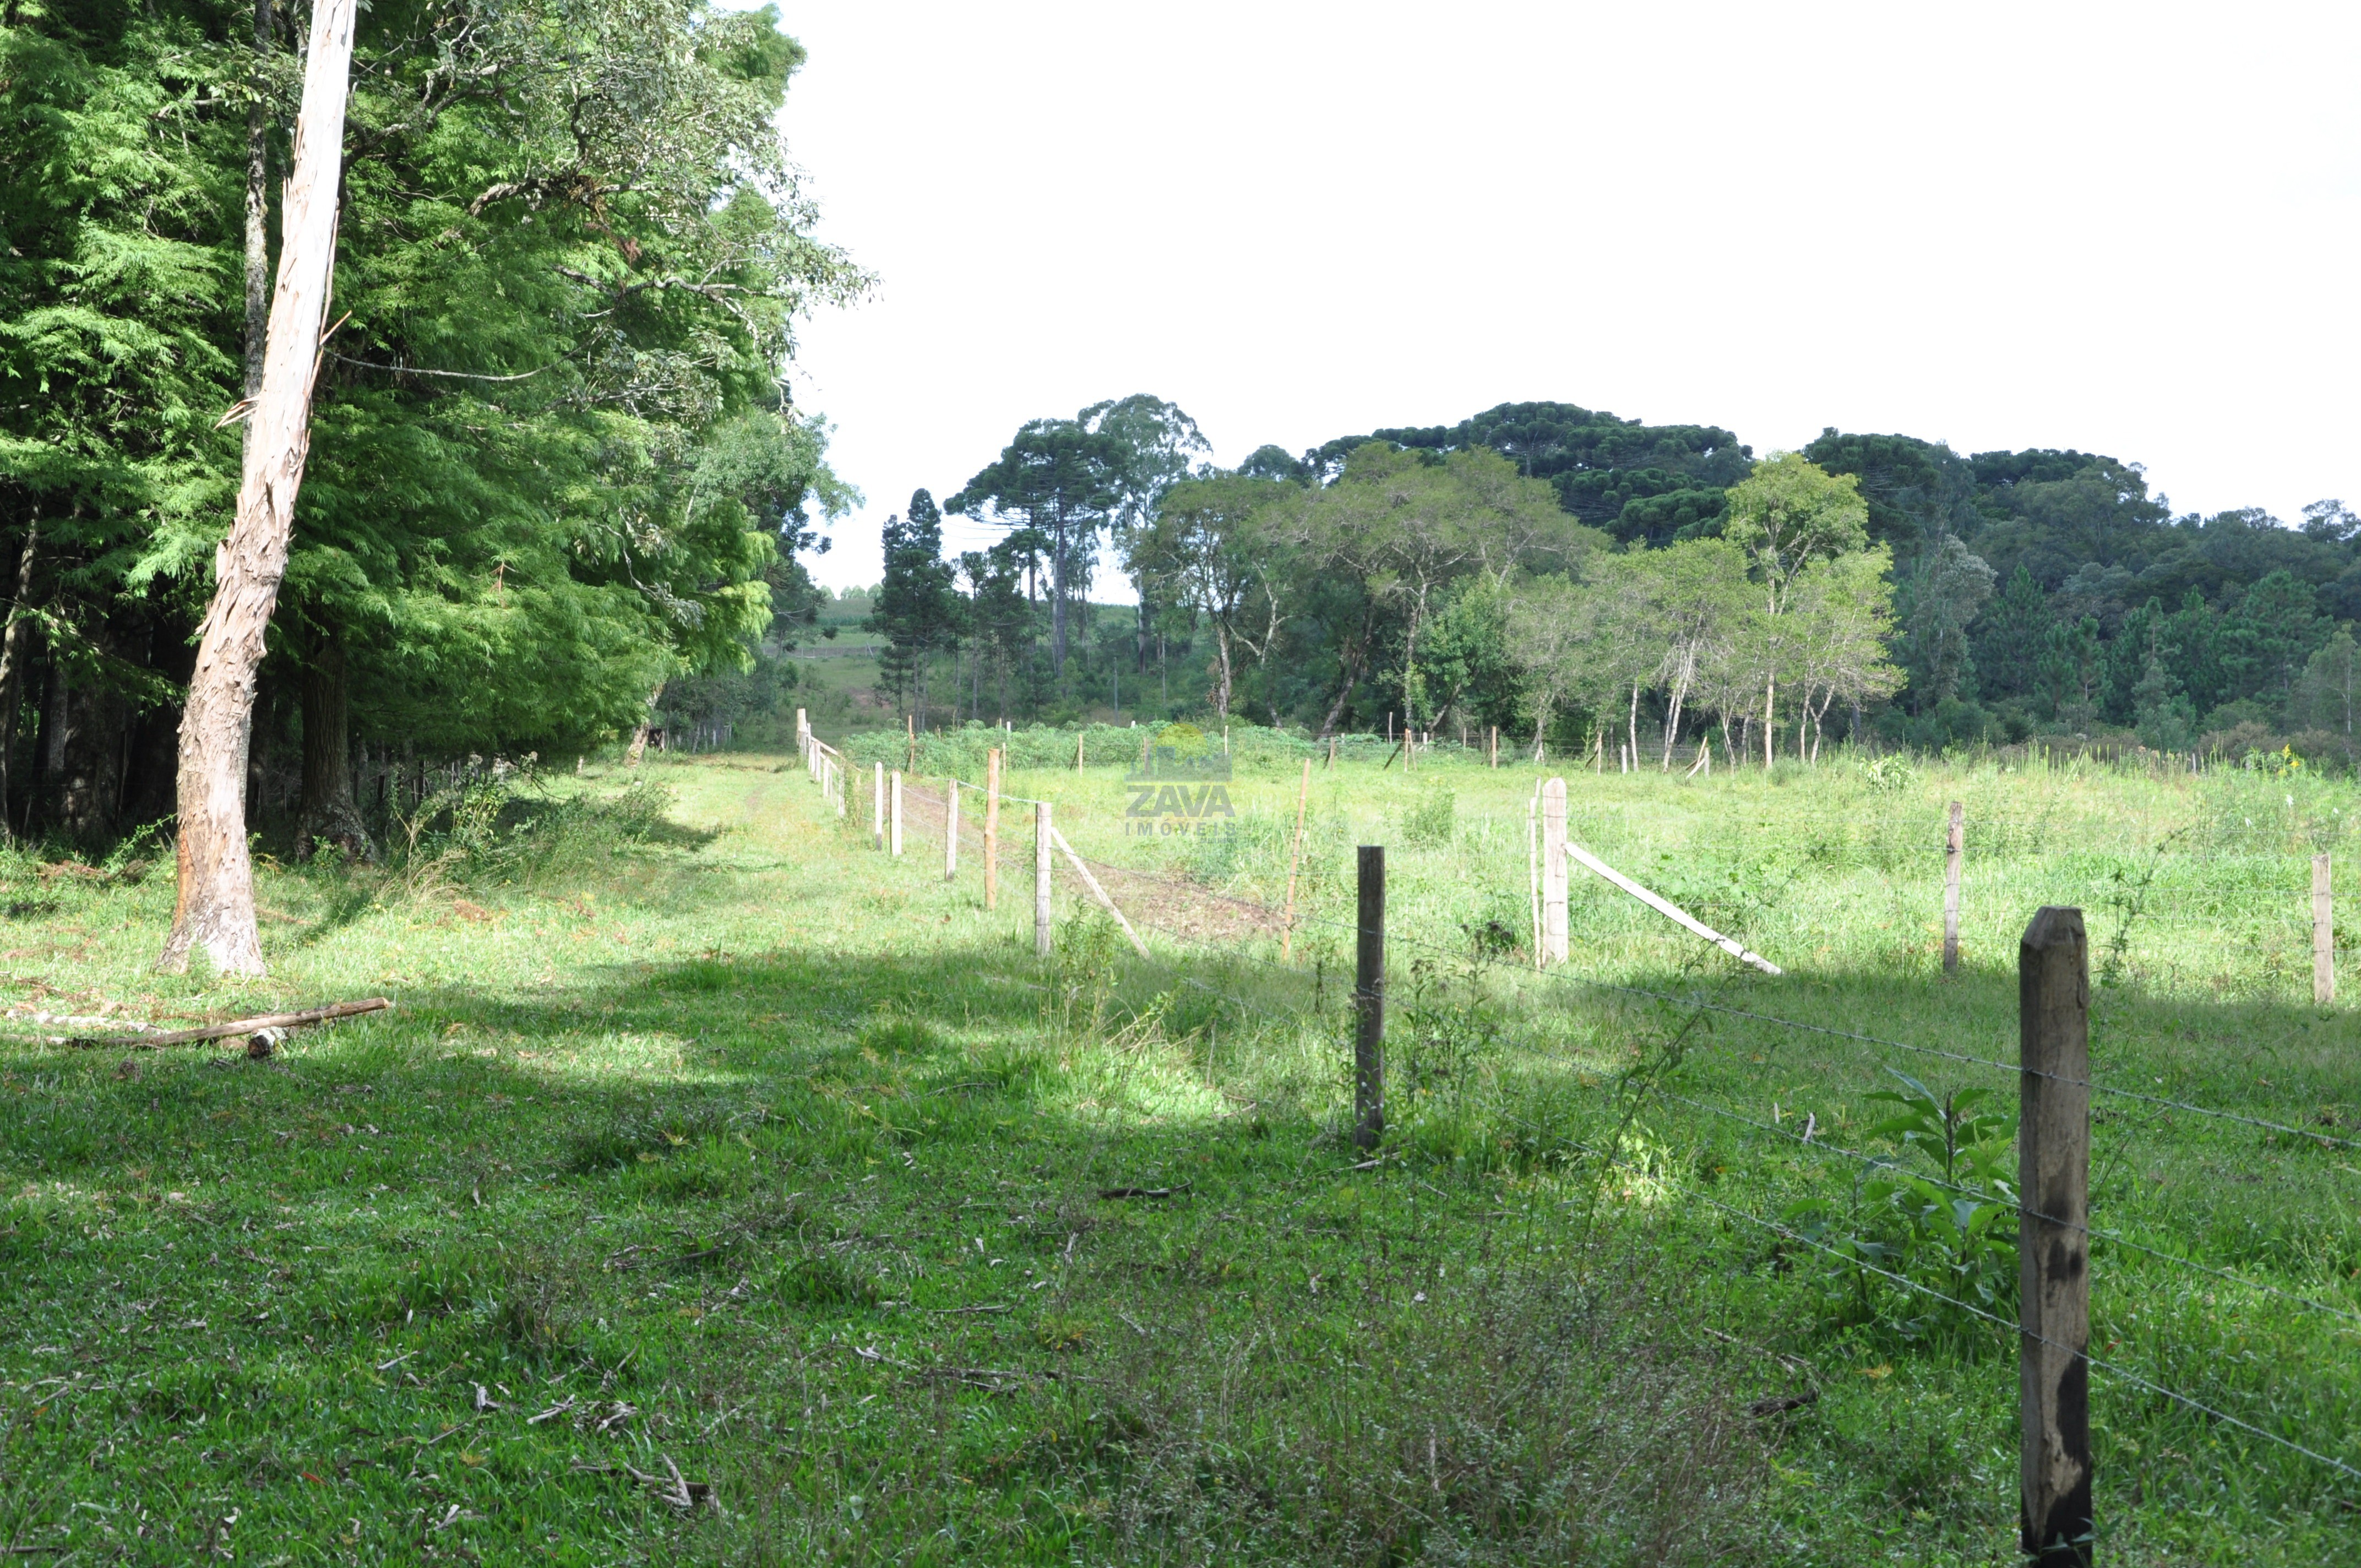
(749, 1151)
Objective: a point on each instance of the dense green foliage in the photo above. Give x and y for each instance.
(552, 463)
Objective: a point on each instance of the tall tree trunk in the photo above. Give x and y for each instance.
(215, 911)
(258, 209)
(1222, 671)
(1058, 598)
(1680, 696)
(1353, 662)
(56, 720)
(328, 813)
(16, 648)
(639, 745)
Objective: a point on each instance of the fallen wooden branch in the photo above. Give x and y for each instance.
(1670, 911)
(238, 1026)
(1110, 1193)
(1097, 891)
(681, 1493)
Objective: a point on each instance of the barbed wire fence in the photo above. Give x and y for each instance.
(2057, 1513)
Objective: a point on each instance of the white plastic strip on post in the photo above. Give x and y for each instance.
(1670, 911)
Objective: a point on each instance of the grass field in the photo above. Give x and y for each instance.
(724, 1189)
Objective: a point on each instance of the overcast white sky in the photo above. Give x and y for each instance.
(2127, 229)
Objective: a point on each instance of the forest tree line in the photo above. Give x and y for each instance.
(1566, 575)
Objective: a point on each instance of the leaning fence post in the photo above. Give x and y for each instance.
(1951, 845)
(2053, 1239)
(950, 831)
(1369, 1003)
(897, 812)
(991, 827)
(1041, 836)
(2323, 935)
(1554, 871)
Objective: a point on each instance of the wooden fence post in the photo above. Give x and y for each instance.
(1554, 871)
(803, 740)
(1534, 867)
(2323, 935)
(1369, 1003)
(877, 807)
(1041, 878)
(1492, 747)
(1077, 751)
(991, 828)
(1953, 844)
(910, 763)
(897, 814)
(2053, 1239)
(950, 831)
(1295, 864)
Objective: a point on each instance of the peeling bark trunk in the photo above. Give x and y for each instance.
(328, 813)
(258, 209)
(640, 736)
(215, 911)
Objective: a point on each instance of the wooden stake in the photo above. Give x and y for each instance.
(910, 762)
(1492, 747)
(2323, 935)
(877, 807)
(897, 814)
(1295, 863)
(2053, 1240)
(1083, 872)
(1042, 833)
(991, 828)
(950, 831)
(1669, 910)
(1077, 751)
(1369, 1003)
(1953, 844)
(1554, 871)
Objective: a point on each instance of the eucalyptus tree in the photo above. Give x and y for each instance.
(1160, 443)
(1222, 546)
(1786, 515)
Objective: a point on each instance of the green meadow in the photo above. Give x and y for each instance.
(724, 1188)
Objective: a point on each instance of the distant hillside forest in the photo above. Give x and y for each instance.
(1562, 572)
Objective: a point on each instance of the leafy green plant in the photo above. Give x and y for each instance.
(1949, 1232)
(1440, 1038)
